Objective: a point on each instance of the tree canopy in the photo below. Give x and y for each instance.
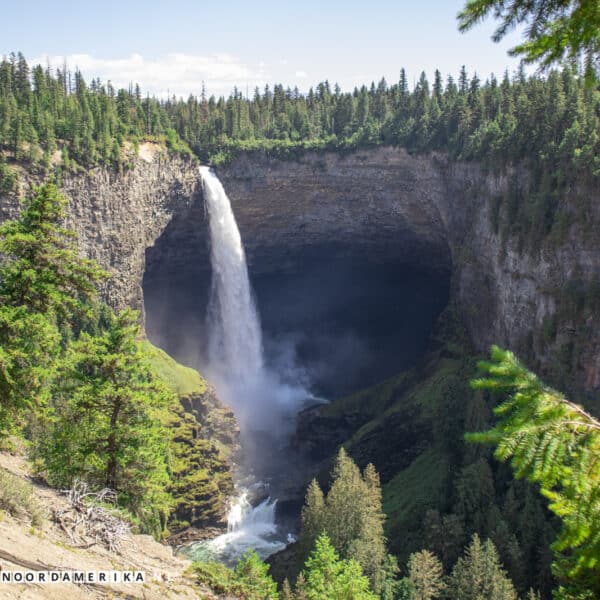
(351, 515)
(555, 29)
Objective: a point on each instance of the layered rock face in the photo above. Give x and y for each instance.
(380, 206)
(386, 205)
(118, 215)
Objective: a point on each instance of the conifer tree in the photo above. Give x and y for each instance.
(555, 28)
(42, 269)
(43, 283)
(478, 575)
(253, 574)
(286, 591)
(105, 423)
(312, 516)
(426, 574)
(351, 515)
(555, 443)
(328, 576)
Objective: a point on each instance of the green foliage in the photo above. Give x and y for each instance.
(478, 575)
(426, 574)
(201, 479)
(29, 348)
(327, 576)
(437, 489)
(555, 443)
(496, 123)
(76, 379)
(43, 284)
(8, 178)
(248, 581)
(103, 425)
(181, 379)
(41, 268)
(351, 515)
(175, 144)
(555, 28)
(17, 498)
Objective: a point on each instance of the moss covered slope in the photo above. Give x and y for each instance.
(204, 434)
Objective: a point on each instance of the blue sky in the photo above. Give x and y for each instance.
(171, 46)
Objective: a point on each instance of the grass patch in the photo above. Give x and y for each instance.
(18, 499)
(369, 402)
(182, 380)
(410, 494)
(399, 394)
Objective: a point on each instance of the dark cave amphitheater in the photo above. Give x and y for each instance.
(344, 319)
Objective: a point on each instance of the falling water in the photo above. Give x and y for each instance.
(236, 366)
(261, 399)
(247, 528)
(235, 341)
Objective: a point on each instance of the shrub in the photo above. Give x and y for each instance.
(18, 499)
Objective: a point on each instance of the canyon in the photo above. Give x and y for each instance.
(379, 215)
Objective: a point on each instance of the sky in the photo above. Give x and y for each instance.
(170, 47)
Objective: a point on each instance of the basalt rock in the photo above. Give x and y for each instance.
(379, 204)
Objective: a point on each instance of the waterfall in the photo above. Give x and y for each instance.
(247, 528)
(261, 399)
(263, 402)
(235, 341)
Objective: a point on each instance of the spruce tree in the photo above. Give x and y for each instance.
(105, 422)
(478, 575)
(426, 574)
(44, 283)
(42, 269)
(312, 517)
(351, 515)
(328, 576)
(555, 28)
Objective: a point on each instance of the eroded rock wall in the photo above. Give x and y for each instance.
(118, 215)
(380, 204)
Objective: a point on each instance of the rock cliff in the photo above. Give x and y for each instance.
(380, 205)
(427, 210)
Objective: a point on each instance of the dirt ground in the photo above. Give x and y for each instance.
(48, 547)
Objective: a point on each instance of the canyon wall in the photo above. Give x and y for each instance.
(381, 204)
(118, 215)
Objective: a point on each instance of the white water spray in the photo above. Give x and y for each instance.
(235, 341)
(247, 528)
(261, 399)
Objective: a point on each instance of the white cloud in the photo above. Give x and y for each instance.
(301, 74)
(174, 73)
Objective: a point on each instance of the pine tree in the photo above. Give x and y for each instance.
(351, 515)
(426, 574)
(105, 423)
(29, 349)
(43, 283)
(312, 517)
(286, 591)
(254, 576)
(555, 29)
(327, 576)
(42, 269)
(478, 575)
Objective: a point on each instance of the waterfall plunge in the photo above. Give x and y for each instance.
(235, 341)
(261, 400)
